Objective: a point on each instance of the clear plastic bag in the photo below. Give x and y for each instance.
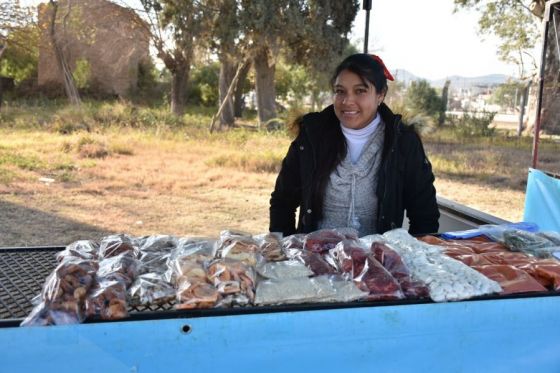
(318, 263)
(107, 301)
(326, 239)
(307, 290)
(369, 275)
(188, 273)
(553, 237)
(492, 231)
(117, 244)
(270, 247)
(291, 243)
(529, 243)
(234, 280)
(346, 291)
(197, 295)
(295, 290)
(63, 294)
(236, 246)
(69, 282)
(43, 315)
(190, 253)
(123, 268)
(151, 288)
(84, 249)
(160, 243)
(283, 270)
(393, 263)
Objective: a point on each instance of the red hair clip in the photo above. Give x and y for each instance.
(385, 70)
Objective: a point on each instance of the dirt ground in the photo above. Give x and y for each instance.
(170, 189)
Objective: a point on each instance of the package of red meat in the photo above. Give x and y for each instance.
(354, 259)
(326, 239)
(393, 263)
(318, 263)
(511, 279)
(545, 271)
(450, 248)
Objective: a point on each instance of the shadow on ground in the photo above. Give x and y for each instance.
(22, 226)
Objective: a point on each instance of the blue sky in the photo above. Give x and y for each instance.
(427, 39)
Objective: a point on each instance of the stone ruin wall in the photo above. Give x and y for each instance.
(111, 38)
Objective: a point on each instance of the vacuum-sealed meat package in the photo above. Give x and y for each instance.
(511, 279)
(326, 239)
(393, 263)
(366, 272)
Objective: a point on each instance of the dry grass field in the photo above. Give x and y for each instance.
(60, 186)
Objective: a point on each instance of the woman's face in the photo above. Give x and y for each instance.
(355, 103)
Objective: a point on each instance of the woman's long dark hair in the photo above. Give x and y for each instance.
(370, 72)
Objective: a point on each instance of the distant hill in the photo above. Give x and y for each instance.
(467, 82)
(457, 81)
(405, 76)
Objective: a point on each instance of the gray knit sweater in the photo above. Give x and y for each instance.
(350, 199)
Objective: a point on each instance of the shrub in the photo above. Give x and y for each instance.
(477, 124)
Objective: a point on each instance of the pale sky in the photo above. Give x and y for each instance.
(427, 39)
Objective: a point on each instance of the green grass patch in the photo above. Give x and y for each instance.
(30, 163)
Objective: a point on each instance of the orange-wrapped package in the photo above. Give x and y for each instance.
(450, 248)
(508, 258)
(474, 260)
(511, 279)
(545, 271)
(476, 245)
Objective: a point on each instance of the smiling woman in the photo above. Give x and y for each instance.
(355, 164)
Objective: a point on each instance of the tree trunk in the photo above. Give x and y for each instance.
(67, 78)
(524, 98)
(266, 92)
(444, 97)
(179, 81)
(238, 104)
(229, 94)
(227, 72)
(2, 49)
(550, 113)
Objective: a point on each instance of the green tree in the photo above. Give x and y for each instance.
(174, 27)
(312, 33)
(18, 41)
(19, 60)
(508, 95)
(423, 98)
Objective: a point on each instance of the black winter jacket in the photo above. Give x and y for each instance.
(405, 180)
